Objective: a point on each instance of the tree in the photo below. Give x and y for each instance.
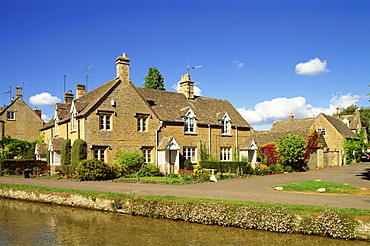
(13, 147)
(154, 79)
(267, 153)
(291, 149)
(349, 110)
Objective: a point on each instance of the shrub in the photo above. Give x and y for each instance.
(149, 170)
(129, 162)
(188, 165)
(276, 168)
(185, 175)
(65, 156)
(78, 153)
(288, 168)
(94, 170)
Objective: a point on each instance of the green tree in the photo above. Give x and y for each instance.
(65, 156)
(154, 79)
(13, 147)
(291, 150)
(349, 110)
(78, 153)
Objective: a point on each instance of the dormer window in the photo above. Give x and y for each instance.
(226, 125)
(189, 122)
(56, 126)
(73, 117)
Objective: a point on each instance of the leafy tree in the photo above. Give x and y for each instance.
(17, 148)
(349, 110)
(291, 149)
(154, 79)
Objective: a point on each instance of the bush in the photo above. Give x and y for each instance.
(276, 168)
(65, 156)
(129, 162)
(94, 170)
(78, 153)
(288, 168)
(188, 165)
(149, 170)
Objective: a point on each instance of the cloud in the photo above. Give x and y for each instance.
(197, 90)
(311, 68)
(238, 64)
(265, 113)
(44, 99)
(45, 118)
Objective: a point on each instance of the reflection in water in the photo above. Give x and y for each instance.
(24, 223)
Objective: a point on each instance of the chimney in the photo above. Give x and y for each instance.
(337, 113)
(38, 112)
(68, 97)
(18, 92)
(291, 116)
(123, 67)
(80, 90)
(187, 86)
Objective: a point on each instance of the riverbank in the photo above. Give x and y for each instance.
(311, 220)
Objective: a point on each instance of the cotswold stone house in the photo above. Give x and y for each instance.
(167, 127)
(332, 131)
(18, 120)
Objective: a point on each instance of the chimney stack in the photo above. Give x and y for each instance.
(80, 90)
(291, 116)
(187, 86)
(38, 112)
(18, 92)
(123, 67)
(68, 97)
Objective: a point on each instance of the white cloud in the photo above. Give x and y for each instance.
(45, 118)
(44, 99)
(197, 90)
(311, 68)
(265, 113)
(238, 64)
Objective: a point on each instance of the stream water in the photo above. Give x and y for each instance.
(26, 223)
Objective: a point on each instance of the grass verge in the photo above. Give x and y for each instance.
(312, 186)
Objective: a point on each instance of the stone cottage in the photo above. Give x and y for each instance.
(18, 120)
(332, 133)
(166, 127)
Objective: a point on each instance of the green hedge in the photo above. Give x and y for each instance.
(12, 165)
(228, 166)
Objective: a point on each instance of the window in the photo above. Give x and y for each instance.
(99, 153)
(322, 131)
(190, 153)
(56, 126)
(104, 122)
(225, 154)
(147, 153)
(141, 123)
(10, 115)
(189, 122)
(74, 123)
(226, 125)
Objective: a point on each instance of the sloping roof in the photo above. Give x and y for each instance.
(340, 126)
(83, 104)
(171, 106)
(295, 126)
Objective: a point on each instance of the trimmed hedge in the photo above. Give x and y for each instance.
(78, 152)
(12, 164)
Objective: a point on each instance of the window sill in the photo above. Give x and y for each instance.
(226, 135)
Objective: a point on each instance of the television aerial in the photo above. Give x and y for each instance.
(192, 67)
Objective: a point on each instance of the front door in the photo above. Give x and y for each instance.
(173, 154)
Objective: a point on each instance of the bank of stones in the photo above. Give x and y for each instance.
(276, 218)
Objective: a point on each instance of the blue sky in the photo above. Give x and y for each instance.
(268, 58)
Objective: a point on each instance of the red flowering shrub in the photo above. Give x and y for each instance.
(313, 141)
(267, 154)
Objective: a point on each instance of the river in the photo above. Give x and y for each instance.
(26, 223)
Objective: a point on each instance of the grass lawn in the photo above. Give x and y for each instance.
(335, 188)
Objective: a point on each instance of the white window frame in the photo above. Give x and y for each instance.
(226, 125)
(226, 154)
(322, 131)
(105, 121)
(99, 153)
(189, 122)
(142, 123)
(147, 153)
(190, 153)
(10, 115)
(73, 117)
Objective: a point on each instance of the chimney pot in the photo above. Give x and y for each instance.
(291, 116)
(18, 92)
